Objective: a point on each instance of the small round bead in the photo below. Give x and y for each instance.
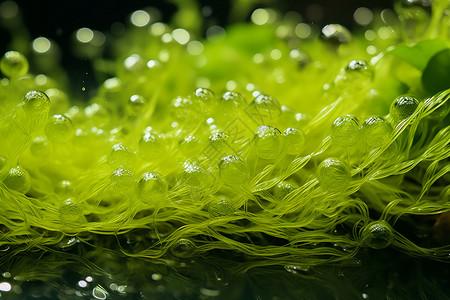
(345, 131)
(152, 186)
(70, 211)
(233, 100)
(403, 107)
(123, 181)
(376, 131)
(64, 188)
(282, 189)
(204, 95)
(378, 234)
(333, 175)
(268, 142)
(193, 175)
(294, 141)
(18, 179)
(220, 206)
(233, 170)
(39, 147)
(14, 64)
(36, 103)
(151, 146)
(183, 248)
(265, 107)
(120, 155)
(59, 128)
(136, 103)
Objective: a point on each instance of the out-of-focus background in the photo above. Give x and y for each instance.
(58, 20)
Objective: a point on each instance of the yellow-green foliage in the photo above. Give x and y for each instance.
(293, 157)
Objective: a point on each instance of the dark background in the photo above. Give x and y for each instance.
(57, 20)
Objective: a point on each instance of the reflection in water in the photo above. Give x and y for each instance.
(371, 274)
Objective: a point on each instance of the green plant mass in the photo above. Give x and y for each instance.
(266, 146)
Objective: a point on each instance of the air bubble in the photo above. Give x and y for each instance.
(39, 147)
(268, 142)
(333, 175)
(336, 34)
(294, 141)
(193, 175)
(64, 188)
(13, 64)
(184, 109)
(345, 131)
(204, 95)
(151, 146)
(18, 179)
(59, 128)
(265, 107)
(36, 103)
(219, 141)
(120, 155)
(123, 181)
(358, 69)
(403, 107)
(70, 211)
(183, 248)
(152, 186)
(233, 170)
(282, 189)
(136, 103)
(378, 234)
(220, 206)
(231, 100)
(376, 131)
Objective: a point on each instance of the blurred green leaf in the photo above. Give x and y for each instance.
(436, 76)
(419, 54)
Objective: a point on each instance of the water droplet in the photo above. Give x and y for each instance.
(336, 34)
(183, 248)
(333, 175)
(231, 100)
(64, 188)
(378, 234)
(13, 64)
(59, 128)
(220, 206)
(233, 170)
(345, 131)
(294, 141)
(39, 147)
(36, 103)
(376, 131)
(18, 179)
(120, 155)
(282, 189)
(268, 142)
(123, 181)
(151, 146)
(265, 107)
(152, 187)
(70, 212)
(194, 176)
(403, 107)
